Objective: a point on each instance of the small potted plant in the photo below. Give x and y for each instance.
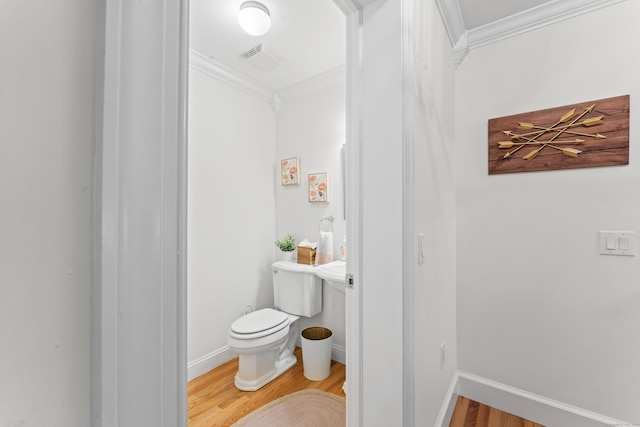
(287, 245)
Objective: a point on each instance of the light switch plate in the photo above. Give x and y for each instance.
(617, 243)
(420, 248)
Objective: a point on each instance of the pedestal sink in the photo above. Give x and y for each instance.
(333, 274)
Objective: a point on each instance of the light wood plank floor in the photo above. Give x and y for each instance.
(215, 401)
(469, 413)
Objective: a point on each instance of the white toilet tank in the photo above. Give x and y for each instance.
(296, 289)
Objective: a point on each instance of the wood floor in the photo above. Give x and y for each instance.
(469, 413)
(215, 401)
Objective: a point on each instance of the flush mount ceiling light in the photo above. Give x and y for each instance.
(254, 18)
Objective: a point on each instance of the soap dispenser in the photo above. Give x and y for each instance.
(343, 249)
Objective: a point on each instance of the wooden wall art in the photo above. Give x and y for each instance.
(589, 134)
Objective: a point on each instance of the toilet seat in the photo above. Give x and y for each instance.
(259, 323)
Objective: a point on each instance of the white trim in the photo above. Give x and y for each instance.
(407, 13)
(208, 362)
(219, 357)
(346, 6)
(532, 19)
(448, 404)
(353, 177)
(338, 353)
(321, 81)
(460, 49)
(138, 265)
(464, 40)
(515, 401)
(181, 220)
(212, 68)
(349, 7)
(452, 19)
(99, 384)
(528, 405)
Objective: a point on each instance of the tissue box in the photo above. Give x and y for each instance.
(306, 255)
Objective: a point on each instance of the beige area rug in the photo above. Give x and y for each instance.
(307, 408)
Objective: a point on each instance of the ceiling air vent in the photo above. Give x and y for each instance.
(261, 58)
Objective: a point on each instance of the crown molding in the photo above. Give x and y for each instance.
(454, 25)
(532, 19)
(213, 68)
(351, 6)
(452, 19)
(464, 40)
(324, 80)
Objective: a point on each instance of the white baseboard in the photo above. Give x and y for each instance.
(339, 354)
(526, 405)
(210, 361)
(509, 399)
(448, 404)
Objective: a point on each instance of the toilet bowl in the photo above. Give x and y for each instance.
(265, 339)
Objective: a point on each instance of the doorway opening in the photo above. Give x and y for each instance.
(243, 121)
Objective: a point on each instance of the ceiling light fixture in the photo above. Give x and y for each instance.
(254, 18)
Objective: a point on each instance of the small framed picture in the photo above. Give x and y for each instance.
(318, 187)
(290, 171)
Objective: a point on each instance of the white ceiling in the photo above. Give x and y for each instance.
(476, 13)
(308, 36)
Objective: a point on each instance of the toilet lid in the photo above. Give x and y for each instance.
(260, 323)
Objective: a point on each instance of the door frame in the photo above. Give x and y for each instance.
(139, 214)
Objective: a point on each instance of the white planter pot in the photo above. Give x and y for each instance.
(288, 256)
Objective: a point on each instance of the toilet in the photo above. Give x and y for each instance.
(265, 339)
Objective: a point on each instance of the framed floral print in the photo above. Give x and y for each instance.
(290, 171)
(318, 187)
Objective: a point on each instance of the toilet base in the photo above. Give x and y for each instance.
(260, 366)
(281, 366)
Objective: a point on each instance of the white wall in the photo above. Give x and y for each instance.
(46, 128)
(231, 213)
(538, 308)
(434, 214)
(311, 126)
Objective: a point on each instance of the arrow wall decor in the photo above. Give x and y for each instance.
(589, 134)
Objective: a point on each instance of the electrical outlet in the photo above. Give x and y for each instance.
(442, 354)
